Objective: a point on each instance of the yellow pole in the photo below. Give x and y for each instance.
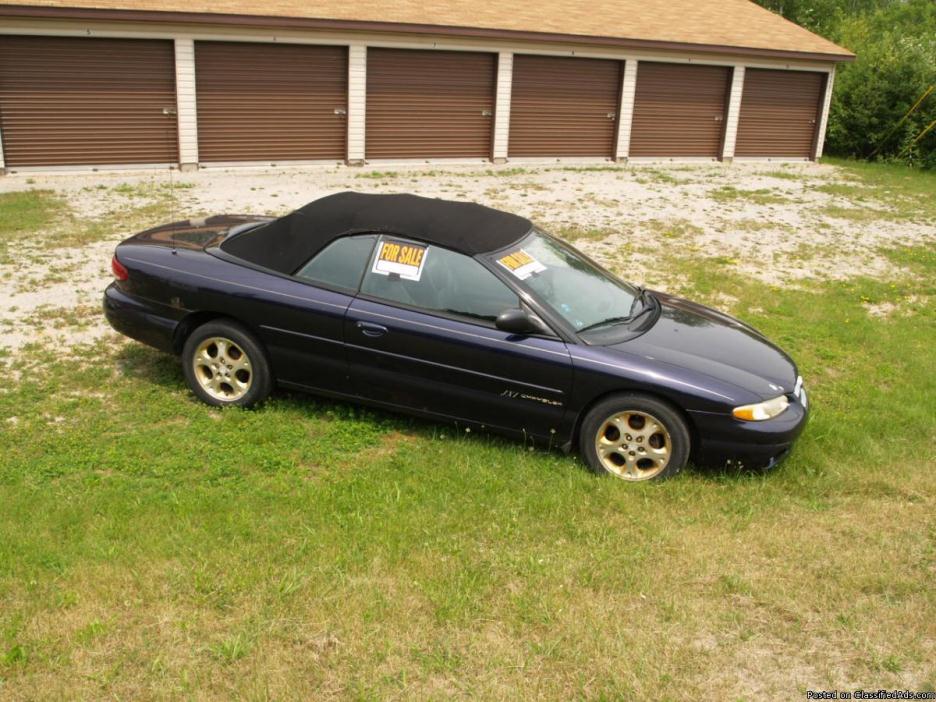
(919, 136)
(902, 120)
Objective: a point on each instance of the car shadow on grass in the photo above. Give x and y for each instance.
(149, 365)
(154, 367)
(161, 369)
(731, 473)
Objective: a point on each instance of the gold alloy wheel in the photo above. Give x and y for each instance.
(633, 445)
(222, 369)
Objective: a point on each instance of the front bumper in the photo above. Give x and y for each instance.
(724, 441)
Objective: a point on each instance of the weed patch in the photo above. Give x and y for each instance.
(761, 196)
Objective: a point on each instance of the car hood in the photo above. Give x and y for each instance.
(706, 341)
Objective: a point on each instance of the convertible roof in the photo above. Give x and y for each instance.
(287, 243)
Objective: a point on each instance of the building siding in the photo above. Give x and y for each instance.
(824, 118)
(357, 101)
(626, 116)
(734, 111)
(358, 44)
(185, 101)
(502, 104)
(397, 40)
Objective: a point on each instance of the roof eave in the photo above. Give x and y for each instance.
(308, 23)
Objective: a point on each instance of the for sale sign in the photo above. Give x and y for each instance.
(400, 258)
(521, 264)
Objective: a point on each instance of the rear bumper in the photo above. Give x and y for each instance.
(726, 441)
(146, 321)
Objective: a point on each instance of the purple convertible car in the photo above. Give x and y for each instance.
(460, 313)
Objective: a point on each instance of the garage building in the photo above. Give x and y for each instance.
(143, 83)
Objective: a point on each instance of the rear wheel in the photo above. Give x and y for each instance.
(634, 437)
(225, 365)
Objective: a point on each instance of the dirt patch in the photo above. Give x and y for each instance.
(901, 306)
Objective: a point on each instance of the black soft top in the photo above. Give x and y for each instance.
(287, 243)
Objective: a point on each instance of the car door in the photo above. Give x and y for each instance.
(302, 324)
(421, 335)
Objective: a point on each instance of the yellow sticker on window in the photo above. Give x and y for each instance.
(400, 258)
(521, 264)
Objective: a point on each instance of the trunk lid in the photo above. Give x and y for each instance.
(194, 233)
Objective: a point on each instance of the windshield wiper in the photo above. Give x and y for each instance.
(641, 297)
(645, 299)
(605, 323)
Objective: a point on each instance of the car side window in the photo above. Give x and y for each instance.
(341, 263)
(439, 280)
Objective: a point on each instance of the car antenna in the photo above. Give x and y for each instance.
(171, 123)
(172, 213)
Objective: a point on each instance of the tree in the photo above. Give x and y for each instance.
(822, 16)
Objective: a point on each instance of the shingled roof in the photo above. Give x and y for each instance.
(727, 26)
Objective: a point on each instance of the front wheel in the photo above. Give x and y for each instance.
(634, 437)
(225, 365)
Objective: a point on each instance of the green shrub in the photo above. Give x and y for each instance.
(895, 45)
(896, 49)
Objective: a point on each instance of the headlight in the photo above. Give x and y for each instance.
(762, 410)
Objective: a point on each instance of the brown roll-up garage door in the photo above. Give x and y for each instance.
(563, 106)
(429, 104)
(262, 102)
(74, 101)
(779, 113)
(679, 110)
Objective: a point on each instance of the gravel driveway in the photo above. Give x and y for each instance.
(782, 224)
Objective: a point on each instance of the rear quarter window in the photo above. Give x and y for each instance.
(340, 264)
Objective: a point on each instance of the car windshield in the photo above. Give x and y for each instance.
(575, 288)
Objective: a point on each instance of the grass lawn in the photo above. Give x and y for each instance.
(154, 548)
(23, 213)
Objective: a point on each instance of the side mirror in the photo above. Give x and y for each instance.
(517, 321)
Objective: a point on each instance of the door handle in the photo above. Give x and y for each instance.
(371, 329)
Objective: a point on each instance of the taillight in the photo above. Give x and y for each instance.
(120, 271)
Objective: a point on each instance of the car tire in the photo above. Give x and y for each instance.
(634, 437)
(225, 365)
